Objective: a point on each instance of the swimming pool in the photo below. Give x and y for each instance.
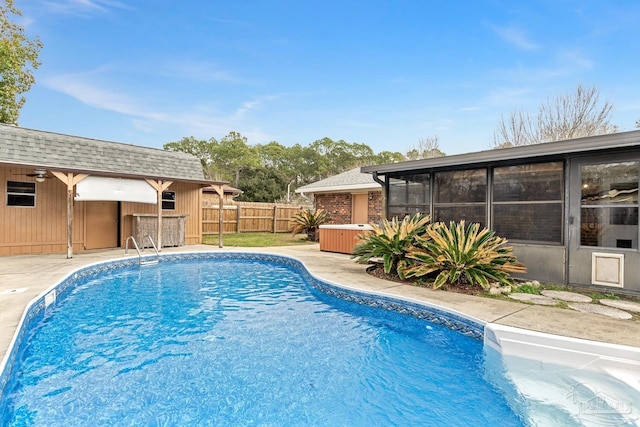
(212, 339)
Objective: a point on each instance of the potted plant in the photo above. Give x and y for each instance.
(308, 221)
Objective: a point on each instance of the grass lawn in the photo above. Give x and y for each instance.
(257, 240)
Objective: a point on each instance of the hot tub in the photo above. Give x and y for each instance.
(341, 238)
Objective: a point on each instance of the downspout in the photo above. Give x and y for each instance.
(383, 200)
(304, 196)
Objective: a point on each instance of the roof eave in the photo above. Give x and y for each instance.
(113, 174)
(339, 188)
(547, 149)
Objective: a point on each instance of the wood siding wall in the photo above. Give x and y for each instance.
(39, 229)
(43, 228)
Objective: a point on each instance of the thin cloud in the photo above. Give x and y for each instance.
(253, 105)
(198, 71)
(508, 96)
(514, 36)
(200, 120)
(575, 58)
(97, 97)
(83, 7)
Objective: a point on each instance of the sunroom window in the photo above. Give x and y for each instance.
(609, 205)
(461, 195)
(528, 202)
(408, 195)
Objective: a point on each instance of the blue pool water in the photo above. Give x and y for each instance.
(240, 342)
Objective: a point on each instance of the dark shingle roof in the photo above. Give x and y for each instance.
(50, 150)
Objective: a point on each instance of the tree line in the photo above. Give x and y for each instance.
(267, 172)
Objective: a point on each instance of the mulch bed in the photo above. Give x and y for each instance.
(377, 270)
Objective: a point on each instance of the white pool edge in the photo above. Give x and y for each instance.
(619, 361)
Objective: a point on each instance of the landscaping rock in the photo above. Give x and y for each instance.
(534, 299)
(622, 305)
(566, 296)
(601, 309)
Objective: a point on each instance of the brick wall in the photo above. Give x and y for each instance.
(374, 212)
(337, 204)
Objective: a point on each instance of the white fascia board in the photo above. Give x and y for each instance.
(340, 188)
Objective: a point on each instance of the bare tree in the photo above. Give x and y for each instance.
(426, 148)
(573, 115)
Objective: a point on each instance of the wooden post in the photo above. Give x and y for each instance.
(70, 181)
(238, 215)
(220, 192)
(159, 186)
(275, 218)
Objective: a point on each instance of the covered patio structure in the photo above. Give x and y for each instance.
(69, 193)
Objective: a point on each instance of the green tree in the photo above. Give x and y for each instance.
(262, 184)
(200, 148)
(18, 61)
(385, 157)
(334, 157)
(231, 155)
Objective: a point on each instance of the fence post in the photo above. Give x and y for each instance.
(275, 218)
(238, 215)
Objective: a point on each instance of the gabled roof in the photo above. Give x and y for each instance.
(547, 150)
(53, 151)
(350, 180)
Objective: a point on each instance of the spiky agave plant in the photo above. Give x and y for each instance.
(307, 221)
(462, 255)
(390, 241)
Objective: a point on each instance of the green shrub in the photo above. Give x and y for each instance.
(307, 221)
(390, 241)
(461, 255)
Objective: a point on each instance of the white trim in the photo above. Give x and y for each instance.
(339, 188)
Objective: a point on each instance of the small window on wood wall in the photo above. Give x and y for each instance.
(21, 193)
(169, 200)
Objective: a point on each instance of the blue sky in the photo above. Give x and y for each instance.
(383, 73)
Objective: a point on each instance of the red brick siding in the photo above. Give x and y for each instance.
(337, 204)
(374, 212)
(340, 206)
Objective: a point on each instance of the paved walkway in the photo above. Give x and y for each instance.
(24, 277)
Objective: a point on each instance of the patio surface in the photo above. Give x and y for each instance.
(23, 277)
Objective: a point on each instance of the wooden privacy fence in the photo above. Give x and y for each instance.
(248, 217)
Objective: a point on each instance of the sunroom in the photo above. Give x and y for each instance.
(569, 208)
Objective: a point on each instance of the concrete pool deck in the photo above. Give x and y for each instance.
(24, 277)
